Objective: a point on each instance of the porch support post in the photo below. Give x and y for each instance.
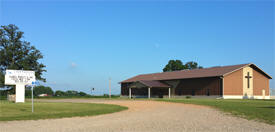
(169, 92)
(130, 94)
(149, 92)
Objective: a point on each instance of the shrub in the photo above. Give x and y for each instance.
(82, 94)
(187, 97)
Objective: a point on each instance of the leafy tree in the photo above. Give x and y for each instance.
(173, 65)
(28, 91)
(42, 90)
(192, 65)
(82, 94)
(3, 93)
(176, 65)
(71, 93)
(18, 54)
(59, 93)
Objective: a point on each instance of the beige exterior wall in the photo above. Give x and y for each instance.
(233, 83)
(247, 91)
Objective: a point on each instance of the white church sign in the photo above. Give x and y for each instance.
(20, 78)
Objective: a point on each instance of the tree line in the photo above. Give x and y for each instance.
(48, 90)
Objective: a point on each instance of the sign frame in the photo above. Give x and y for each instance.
(23, 77)
(19, 78)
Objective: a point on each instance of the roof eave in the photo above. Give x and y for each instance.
(261, 71)
(176, 79)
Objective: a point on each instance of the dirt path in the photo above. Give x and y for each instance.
(142, 116)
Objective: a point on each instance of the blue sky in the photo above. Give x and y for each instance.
(87, 41)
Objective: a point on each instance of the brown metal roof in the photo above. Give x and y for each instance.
(152, 83)
(196, 73)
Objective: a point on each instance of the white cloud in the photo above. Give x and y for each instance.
(73, 65)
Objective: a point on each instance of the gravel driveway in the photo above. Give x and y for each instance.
(142, 116)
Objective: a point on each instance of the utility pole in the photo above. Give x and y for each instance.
(110, 88)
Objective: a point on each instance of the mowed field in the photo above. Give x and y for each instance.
(43, 110)
(260, 110)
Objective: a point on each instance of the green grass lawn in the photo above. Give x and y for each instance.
(22, 111)
(262, 110)
(76, 97)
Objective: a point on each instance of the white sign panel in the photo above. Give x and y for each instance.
(14, 77)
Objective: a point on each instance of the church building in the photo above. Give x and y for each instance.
(228, 82)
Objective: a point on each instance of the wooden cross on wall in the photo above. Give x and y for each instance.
(248, 78)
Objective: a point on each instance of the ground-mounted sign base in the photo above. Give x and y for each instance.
(20, 93)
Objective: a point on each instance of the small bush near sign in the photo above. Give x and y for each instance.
(188, 97)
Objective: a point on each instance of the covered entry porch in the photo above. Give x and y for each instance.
(149, 87)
